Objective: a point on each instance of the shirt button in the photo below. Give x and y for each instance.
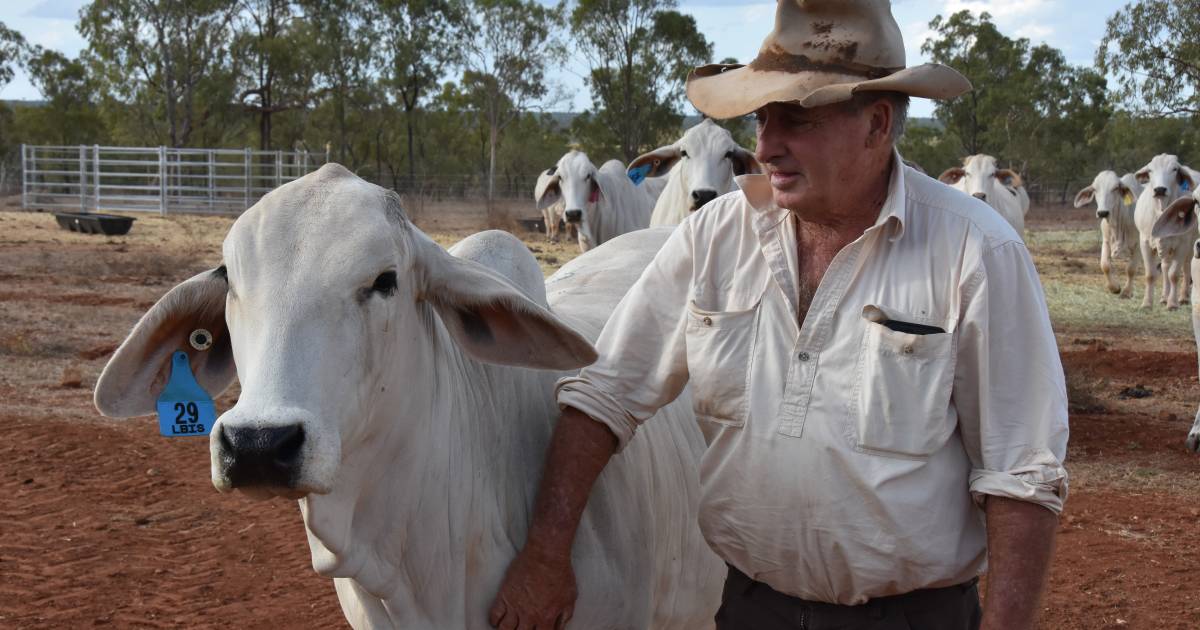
(708, 321)
(803, 356)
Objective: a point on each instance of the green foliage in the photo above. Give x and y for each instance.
(71, 114)
(12, 47)
(639, 52)
(1151, 47)
(932, 148)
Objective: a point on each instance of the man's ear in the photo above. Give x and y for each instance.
(660, 160)
(952, 175)
(1085, 196)
(137, 372)
(744, 162)
(1178, 218)
(491, 320)
(547, 192)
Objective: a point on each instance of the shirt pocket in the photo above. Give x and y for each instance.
(903, 386)
(720, 345)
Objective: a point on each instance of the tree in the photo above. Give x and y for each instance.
(341, 45)
(639, 53)
(273, 72)
(12, 49)
(167, 57)
(71, 113)
(1151, 48)
(420, 41)
(512, 42)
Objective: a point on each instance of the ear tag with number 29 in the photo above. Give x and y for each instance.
(184, 408)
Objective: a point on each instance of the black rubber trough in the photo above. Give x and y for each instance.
(87, 223)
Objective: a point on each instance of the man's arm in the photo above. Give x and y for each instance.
(1020, 545)
(539, 588)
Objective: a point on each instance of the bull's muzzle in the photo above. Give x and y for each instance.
(573, 216)
(980, 196)
(1160, 191)
(1102, 214)
(701, 197)
(261, 456)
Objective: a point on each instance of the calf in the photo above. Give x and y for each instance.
(1115, 198)
(1164, 180)
(1001, 188)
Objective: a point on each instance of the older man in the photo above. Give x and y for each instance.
(870, 356)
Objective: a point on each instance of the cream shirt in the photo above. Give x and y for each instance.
(844, 456)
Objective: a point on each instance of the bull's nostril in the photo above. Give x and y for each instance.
(1103, 214)
(1161, 191)
(289, 447)
(702, 197)
(262, 456)
(980, 196)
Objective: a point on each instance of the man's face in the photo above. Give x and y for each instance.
(812, 155)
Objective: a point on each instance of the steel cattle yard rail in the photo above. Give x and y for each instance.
(156, 179)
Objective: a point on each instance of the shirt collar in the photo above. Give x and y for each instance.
(757, 189)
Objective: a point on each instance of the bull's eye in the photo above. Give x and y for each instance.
(385, 284)
(683, 154)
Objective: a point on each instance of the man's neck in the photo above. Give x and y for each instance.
(842, 224)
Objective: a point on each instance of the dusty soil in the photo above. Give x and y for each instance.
(104, 523)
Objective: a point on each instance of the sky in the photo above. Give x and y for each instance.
(736, 30)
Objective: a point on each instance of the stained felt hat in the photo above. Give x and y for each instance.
(821, 52)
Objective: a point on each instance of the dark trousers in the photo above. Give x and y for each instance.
(750, 605)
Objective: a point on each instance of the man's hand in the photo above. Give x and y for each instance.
(538, 592)
(1020, 545)
(539, 589)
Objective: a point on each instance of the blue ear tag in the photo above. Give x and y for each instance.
(1184, 185)
(638, 175)
(184, 408)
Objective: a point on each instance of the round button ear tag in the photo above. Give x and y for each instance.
(638, 175)
(184, 408)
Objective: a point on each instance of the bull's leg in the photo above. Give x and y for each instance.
(1106, 256)
(1131, 268)
(1193, 438)
(1150, 273)
(1184, 290)
(1171, 282)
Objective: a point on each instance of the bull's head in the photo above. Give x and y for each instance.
(708, 158)
(1166, 178)
(330, 308)
(980, 177)
(1108, 192)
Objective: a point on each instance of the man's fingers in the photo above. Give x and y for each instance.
(563, 618)
(510, 621)
(497, 612)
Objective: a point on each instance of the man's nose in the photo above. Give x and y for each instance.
(980, 196)
(701, 197)
(261, 456)
(573, 216)
(1160, 191)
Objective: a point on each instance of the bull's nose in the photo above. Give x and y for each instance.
(261, 456)
(701, 197)
(1160, 191)
(1102, 214)
(980, 196)
(573, 216)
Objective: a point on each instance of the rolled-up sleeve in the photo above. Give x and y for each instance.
(642, 362)
(1009, 388)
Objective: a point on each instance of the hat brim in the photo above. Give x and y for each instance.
(729, 91)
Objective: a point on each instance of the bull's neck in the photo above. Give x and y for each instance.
(448, 473)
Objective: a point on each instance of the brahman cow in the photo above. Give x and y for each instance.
(1179, 221)
(552, 215)
(403, 395)
(1163, 181)
(1115, 198)
(699, 167)
(601, 203)
(1001, 188)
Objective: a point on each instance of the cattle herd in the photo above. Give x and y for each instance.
(383, 352)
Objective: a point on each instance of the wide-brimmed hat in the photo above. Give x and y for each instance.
(821, 52)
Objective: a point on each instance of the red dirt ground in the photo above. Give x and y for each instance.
(103, 523)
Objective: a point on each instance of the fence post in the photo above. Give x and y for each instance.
(24, 180)
(82, 179)
(246, 201)
(96, 174)
(210, 180)
(162, 180)
(278, 168)
(305, 170)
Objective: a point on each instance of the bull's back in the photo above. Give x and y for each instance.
(645, 505)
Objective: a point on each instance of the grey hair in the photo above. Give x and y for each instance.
(899, 101)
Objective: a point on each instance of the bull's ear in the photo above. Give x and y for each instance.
(492, 320)
(136, 374)
(1143, 176)
(1178, 218)
(660, 160)
(547, 192)
(1085, 196)
(744, 162)
(952, 175)
(1009, 178)
(1187, 181)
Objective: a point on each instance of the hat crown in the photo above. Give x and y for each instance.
(836, 32)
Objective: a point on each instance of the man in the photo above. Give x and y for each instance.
(870, 357)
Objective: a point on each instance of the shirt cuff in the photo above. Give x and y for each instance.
(600, 406)
(1043, 481)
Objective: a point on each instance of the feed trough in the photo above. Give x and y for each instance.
(86, 223)
(533, 225)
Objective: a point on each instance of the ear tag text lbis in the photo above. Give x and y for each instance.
(184, 408)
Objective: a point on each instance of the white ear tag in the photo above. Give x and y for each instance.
(184, 408)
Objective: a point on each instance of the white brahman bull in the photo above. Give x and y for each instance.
(1115, 198)
(1163, 181)
(601, 203)
(1179, 221)
(699, 167)
(386, 384)
(1001, 188)
(552, 215)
